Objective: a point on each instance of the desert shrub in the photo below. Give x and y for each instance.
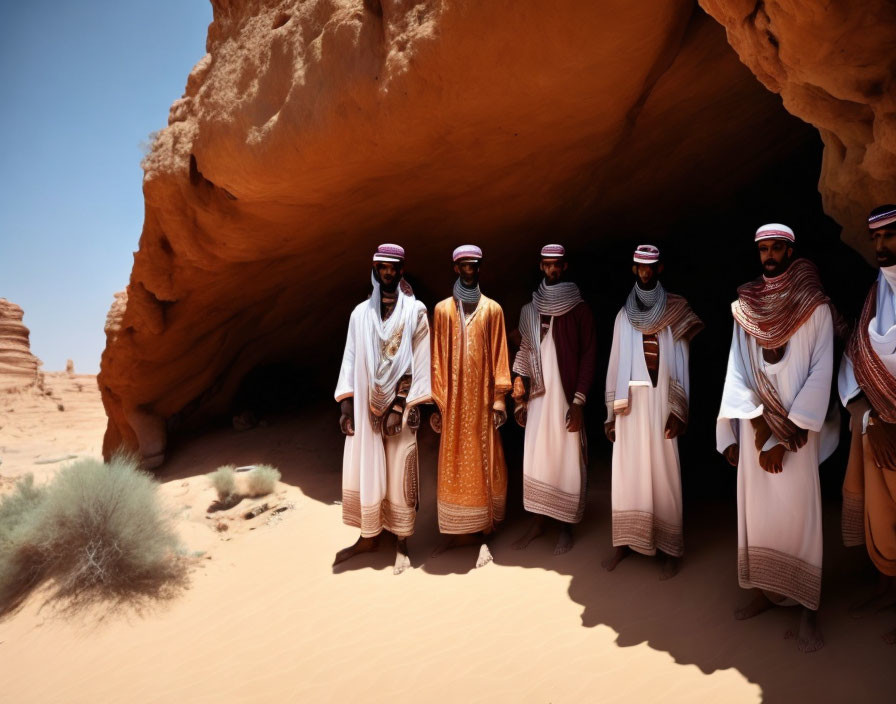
(16, 508)
(223, 481)
(96, 530)
(261, 480)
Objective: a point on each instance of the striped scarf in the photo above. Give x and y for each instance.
(772, 310)
(876, 381)
(558, 299)
(464, 294)
(553, 301)
(663, 310)
(644, 308)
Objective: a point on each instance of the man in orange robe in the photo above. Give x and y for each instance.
(867, 385)
(470, 378)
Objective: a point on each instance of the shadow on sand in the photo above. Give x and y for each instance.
(690, 616)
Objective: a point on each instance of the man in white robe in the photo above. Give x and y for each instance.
(385, 376)
(647, 392)
(555, 369)
(867, 385)
(775, 426)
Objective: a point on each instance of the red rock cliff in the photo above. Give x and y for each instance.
(833, 64)
(313, 130)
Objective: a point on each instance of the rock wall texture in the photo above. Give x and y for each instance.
(834, 65)
(18, 367)
(312, 130)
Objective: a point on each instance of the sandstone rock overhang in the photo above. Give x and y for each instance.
(313, 130)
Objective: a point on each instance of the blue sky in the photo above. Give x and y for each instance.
(83, 83)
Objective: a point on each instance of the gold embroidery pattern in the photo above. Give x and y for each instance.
(372, 520)
(540, 497)
(390, 346)
(852, 519)
(645, 533)
(461, 520)
(779, 572)
(410, 478)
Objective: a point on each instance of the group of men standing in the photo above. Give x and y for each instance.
(776, 422)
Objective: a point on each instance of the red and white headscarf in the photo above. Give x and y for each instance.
(467, 251)
(389, 253)
(775, 231)
(886, 217)
(646, 254)
(553, 251)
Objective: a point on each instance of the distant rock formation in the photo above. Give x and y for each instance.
(18, 367)
(833, 65)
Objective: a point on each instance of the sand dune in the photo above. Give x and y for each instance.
(266, 617)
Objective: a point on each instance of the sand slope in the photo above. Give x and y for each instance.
(266, 618)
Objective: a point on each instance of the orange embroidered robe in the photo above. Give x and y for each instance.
(470, 377)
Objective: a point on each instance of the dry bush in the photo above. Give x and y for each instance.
(262, 480)
(96, 531)
(223, 481)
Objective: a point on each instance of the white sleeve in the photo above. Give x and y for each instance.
(810, 406)
(847, 385)
(612, 371)
(738, 400)
(345, 387)
(421, 367)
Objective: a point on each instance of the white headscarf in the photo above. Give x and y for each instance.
(388, 348)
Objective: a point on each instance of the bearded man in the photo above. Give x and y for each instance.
(555, 368)
(647, 394)
(867, 385)
(470, 378)
(385, 376)
(774, 426)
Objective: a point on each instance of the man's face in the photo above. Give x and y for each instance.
(388, 274)
(775, 257)
(468, 271)
(647, 274)
(553, 270)
(884, 239)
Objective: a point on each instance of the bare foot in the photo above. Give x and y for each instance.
(759, 604)
(890, 637)
(535, 529)
(485, 556)
(617, 556)
(402, 559)
(565, 541)
(671, 566)
(456, 541)
(362, 545)
(809, 639)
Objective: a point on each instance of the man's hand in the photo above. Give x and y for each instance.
(435, 422)
(761, 432)
(520, 414)
(732, 454)
(392, 425)
(575, 418)
(882, 438)
(499, 418)
(674, 426)
(772, 461)
(857, 408)
(347, 419)
(414, 418)
(610, 430)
